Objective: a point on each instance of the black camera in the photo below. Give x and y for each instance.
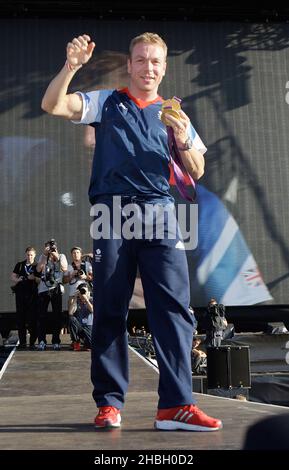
(52, 245)
(213, 309)
(49, 276)
(82, 288)
(15, 287)
(217, 310)
(215, 324)
(80, 272)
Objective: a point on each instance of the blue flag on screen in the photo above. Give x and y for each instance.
(223, 265)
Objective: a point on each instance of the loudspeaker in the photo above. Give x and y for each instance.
(228, 367)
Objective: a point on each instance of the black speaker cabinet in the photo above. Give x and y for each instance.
(228, 367)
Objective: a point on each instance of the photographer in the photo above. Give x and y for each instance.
(80, 317)
(78, 272)
(215, 323)
(51, 267)
(25, 289)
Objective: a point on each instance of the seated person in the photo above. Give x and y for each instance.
(80, 318)
(79, 271)
(199, 357)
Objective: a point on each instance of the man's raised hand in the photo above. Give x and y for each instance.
(79, 50)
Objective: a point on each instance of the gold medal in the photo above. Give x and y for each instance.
(171, 107)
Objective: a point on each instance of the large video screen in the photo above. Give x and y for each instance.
(234, 84)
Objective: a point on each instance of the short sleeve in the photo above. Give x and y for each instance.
(197, 141)
(70, 269)
(93, 102)
(16, 270)
(88, 267)
(62, 257)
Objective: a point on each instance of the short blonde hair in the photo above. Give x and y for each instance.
(30, 248)
(148, 38)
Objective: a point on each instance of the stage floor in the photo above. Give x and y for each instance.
(46, 403)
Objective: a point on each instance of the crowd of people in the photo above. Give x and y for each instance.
(37, 284)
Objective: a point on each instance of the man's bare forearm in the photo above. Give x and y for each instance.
(56, 100)
(194, 162)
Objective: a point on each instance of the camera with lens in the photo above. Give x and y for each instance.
(82, 288)
(80, 272)
(49, 276)
(52, 245)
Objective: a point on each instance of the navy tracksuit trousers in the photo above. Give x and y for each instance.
(164, 274)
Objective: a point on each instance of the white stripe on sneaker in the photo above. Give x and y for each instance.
(175, 418)
(189, 417)
(183, 416)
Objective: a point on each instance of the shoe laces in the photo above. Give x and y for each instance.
(201, 414)
(195, 410)
(105, 410)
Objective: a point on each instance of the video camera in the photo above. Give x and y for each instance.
(215, 323)
(216, 310)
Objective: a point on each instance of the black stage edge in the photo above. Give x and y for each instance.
(244, 317)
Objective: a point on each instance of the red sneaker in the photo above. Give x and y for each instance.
(188, 418)
(108, 417)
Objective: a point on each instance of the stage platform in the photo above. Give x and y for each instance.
(46, 404)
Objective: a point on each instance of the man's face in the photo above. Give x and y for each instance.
(146, 67)
(76, 255)
(30, 256)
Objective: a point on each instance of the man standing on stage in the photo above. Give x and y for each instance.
(131, 173)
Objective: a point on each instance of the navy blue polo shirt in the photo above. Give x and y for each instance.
(131, 153)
